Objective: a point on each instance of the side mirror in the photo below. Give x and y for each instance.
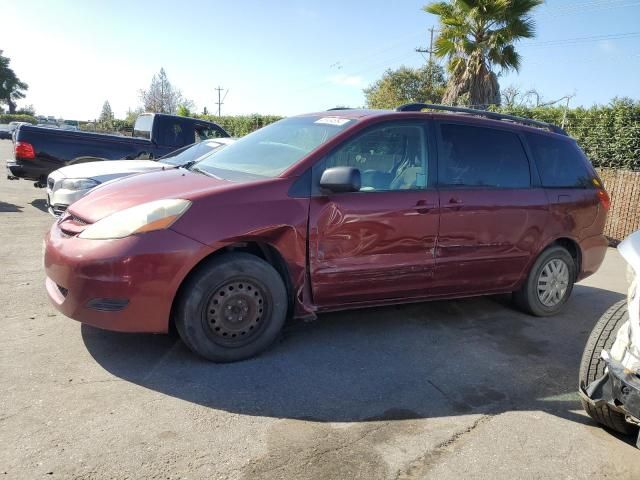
(341, 180)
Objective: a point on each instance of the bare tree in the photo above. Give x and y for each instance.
(162, 97)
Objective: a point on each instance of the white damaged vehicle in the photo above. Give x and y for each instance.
(69, 184)
(610, 368)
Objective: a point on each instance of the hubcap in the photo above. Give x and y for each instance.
(235, 311)
(553, 282)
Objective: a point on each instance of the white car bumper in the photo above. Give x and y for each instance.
(58, 198)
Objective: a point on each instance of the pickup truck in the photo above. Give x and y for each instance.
(38, 151)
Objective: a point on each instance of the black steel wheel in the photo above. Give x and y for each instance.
(231, 308)
(235, 310)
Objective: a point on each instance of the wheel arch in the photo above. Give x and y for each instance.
(260, 249)
(569, 244)
(573, 247)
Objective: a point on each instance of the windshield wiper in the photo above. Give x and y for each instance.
(188, 165)
(204, 172)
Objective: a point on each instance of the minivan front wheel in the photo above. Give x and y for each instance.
(549, 283)
(231, 308)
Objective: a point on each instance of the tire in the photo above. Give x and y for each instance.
(528, 299)
(231, 308)
(592, 366)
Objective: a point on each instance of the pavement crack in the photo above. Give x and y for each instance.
(421, 465)
(88, 382)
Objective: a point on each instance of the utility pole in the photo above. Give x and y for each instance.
(220, 101)
(566, 108)
(430, 49)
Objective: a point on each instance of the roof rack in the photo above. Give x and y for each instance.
(417, 107)
(339, 108)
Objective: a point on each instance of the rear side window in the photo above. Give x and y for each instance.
(481, 157)
(560, 162)
(143, 125)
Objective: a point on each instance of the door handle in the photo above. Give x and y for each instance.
(422, 206)
(454, 203)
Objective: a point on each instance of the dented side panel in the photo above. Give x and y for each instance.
(372, 246)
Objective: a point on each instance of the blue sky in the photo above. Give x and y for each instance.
(289, 56)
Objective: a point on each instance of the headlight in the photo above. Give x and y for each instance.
(147, 217)
(78, 183)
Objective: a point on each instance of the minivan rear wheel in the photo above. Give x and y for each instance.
(231, 308)
(549, 283)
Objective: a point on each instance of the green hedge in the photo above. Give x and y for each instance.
(240, 125)
(7, 117)
(609, 134)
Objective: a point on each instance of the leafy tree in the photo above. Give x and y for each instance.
(11, 87)
(26, 110)
(407, 85)
(477, 37)
(106, 116)
(162, 97)
(132, 115)
(183, 111)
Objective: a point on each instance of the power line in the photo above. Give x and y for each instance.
(576, 40)
(588, 6)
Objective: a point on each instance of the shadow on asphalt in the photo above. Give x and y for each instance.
(9, 208)
(424, 360)
(40, 204)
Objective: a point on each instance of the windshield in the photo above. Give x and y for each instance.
(189, 153)
(271, 150)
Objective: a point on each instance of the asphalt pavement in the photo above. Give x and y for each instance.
(457, 389)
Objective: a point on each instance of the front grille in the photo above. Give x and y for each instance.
(108, 304)
(58, 210)
(78, 220)
(71, 225)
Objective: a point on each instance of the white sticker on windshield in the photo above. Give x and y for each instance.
(337, 121)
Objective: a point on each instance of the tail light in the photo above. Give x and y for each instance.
(604, 198)
(24, 150)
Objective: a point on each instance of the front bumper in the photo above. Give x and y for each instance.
(123, 285)
(59, 199)
(619, 388)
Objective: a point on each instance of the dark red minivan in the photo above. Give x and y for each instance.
(328, 211)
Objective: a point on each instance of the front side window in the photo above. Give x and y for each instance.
(205, 132)
(471, 156)
(273, 149)
(389, 157)
(560, 162)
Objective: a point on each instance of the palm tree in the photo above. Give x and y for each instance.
(478, 36)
